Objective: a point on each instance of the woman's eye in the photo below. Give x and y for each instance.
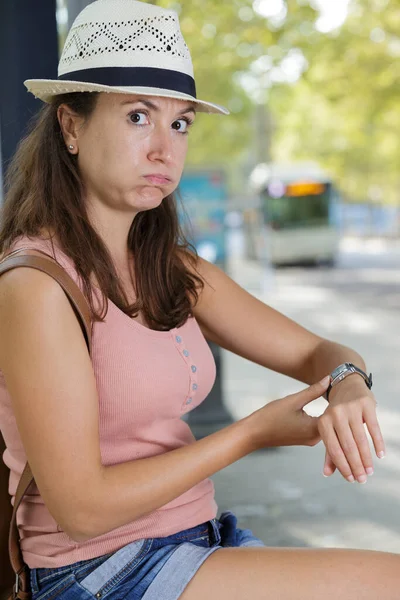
(182, 125)
(138, 118)
(141, 118)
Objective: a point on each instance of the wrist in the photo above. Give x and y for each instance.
(344, 372)
(353, 383)
(255, 431)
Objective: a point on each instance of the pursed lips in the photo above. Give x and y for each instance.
(158, 179)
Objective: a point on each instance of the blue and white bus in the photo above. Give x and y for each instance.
(297, 205)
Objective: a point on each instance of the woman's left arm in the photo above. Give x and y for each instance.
(239, 322)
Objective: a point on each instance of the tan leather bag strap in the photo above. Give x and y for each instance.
(25, 257)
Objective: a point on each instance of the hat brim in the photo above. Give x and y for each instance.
(46, 89)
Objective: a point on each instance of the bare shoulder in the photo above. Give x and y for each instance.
(32, 304)
(29, 290)
(24, 279)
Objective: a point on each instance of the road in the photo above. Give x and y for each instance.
(281, 494)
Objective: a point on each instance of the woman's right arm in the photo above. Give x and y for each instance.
(49, 376)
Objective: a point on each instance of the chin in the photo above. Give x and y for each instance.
(151, 205)
(147, 201)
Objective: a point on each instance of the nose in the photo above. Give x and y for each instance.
(161, 145)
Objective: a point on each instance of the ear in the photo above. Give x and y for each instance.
(70, 124)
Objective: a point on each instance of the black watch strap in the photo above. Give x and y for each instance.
(367, 378)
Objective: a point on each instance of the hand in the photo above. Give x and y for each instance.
(351, 404)
(283, 422)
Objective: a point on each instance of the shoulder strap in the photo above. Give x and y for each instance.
(25, 257)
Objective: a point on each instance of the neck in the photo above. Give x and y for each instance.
(114, 231)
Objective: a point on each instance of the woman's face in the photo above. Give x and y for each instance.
(131, 152)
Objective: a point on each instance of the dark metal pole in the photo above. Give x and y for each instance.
(28, 50)
(212, 414)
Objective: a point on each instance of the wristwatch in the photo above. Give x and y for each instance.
(343, 371)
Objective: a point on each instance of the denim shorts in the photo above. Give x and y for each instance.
(146, 569)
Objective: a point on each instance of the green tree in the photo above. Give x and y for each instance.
(343, 111)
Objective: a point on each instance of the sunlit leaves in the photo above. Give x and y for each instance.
(346, 107)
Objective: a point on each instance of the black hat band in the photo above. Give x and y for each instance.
(135, 76)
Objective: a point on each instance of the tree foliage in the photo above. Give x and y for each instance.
(343, 111)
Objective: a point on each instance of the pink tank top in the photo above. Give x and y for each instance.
(147, 381)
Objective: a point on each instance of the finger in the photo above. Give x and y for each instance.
(311, 393)
(360, 438)
(329, 466)
(374, 429)
(350, 450)
(335, 451)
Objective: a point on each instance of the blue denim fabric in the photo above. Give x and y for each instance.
(147, 569)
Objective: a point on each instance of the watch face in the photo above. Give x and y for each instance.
(338, 371)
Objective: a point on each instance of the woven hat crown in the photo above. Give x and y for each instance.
(125, 33)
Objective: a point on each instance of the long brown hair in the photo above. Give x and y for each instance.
(44, 193)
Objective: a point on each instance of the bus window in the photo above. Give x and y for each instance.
(297, 211)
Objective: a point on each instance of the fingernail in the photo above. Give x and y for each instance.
(369, 471)
(381, 454)
(325, 380)
(362, 479)
(350, 478)
(325, 475)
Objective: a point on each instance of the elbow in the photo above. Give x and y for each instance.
(80, 512)
(83, 517)
(85, 529)
(80, 523)
(77, 527)
(79, 535)
(81, 532)
(83, 526)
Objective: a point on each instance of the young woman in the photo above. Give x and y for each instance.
(124, 506)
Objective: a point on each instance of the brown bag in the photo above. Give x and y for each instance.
(14, 573)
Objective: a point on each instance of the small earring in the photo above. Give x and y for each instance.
(70, 147)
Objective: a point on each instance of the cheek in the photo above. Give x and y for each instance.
(120, 161)
(181, 151)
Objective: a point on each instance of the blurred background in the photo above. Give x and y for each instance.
(297, 196)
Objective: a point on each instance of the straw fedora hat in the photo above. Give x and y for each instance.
(128, 47)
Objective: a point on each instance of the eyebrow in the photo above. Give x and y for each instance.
(155, 107)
